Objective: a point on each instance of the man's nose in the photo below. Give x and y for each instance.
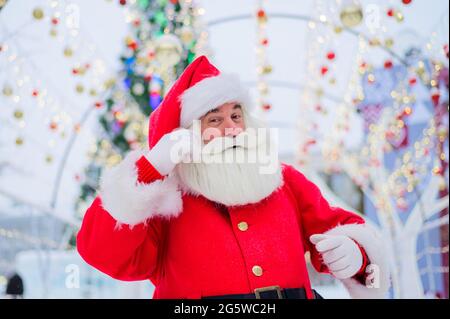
(231, 128)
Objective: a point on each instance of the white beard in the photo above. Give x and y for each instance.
(230, 183)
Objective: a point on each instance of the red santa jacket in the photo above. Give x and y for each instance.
(190, 247)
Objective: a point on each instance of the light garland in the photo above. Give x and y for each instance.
(263, 67)
(14, 234)
(57, 119)
(386, 189)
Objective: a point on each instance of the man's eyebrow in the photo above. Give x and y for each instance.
(237, 106)
(216, 110)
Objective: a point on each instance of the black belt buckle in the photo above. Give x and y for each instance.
(258, 291)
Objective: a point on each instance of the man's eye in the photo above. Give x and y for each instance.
(236, 117)
(214, 120)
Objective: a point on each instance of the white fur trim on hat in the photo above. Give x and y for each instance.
(132, 203)
(211, 93)
(372, 243)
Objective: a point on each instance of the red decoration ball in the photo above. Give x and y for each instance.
(324, 70)
(53, 126)
(133, 45)
(388, 64)
(406, 2)
(390, 12)
(261, 13)
(122, 2)
(266, 107)
(331, 55)
(435, 97)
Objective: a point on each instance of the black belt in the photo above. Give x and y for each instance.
(272, 292)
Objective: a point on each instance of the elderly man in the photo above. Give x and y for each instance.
(215, 224)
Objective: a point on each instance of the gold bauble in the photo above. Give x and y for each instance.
(389, 43)
(93, 92)
(267, 69)
(19, 141)
(338, 29)
(79, 88)
(68, 52)
(351, 16)
(7, 90)
(319, 92)
(38, 13)
(109, 83)
(18, 114)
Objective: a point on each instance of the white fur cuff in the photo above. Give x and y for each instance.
(372, 243)
(132, 203)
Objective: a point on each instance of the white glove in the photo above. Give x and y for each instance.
(170, 150)
(340, 254)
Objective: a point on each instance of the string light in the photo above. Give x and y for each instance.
(15, 234)
(387, 189)
(263, 67)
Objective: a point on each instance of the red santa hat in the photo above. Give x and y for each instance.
(199, 89)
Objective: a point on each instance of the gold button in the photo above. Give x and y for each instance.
(243, 226)
(257, 271)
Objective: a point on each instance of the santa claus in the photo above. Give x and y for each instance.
(223, 221)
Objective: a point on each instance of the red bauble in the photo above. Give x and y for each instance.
(406, 2)
(98, 104)
(390, 12)
(53, 126)
(133, 45)
(331, 55)
(122, 2)
(55, 21)
(266, 107)
(35, 93)
(388, 64)
(412, 81)
(265, 42)
(148, 78)
(435, 96)
(324, 70)
(261, 13)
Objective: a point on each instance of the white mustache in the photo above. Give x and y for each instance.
(245, 140)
